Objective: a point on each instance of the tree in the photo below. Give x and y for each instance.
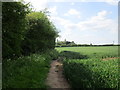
(41, 33)
(13, 27)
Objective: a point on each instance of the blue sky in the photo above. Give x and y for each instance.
(83, 22)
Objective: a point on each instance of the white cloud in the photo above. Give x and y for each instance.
(111, 2)
(53, 10)
(99, 22)
(72, 3)
(73, 12)
(65, 25)
(102, 13)
(40, 5)
(37, 4)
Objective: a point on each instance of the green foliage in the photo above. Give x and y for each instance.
(92, 73)
(26, 72)
(72, 55)
(65, 43)
(40, 35)
(25, 34)
(53, 53)
(93, 52)
(72, 44)
(13, 27)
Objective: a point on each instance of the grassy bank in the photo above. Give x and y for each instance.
(27, 71)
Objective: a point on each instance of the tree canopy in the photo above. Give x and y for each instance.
(41, 33)
(25, 31)
(13, 27)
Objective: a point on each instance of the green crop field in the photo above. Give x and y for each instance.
(93, 72)
(92, 52)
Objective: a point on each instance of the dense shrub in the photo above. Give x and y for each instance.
(72, 55)
(53, 53)
(24, 31)
(41, 34)
(13, 28)
(26, 72)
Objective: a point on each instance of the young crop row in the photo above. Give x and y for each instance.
(91, 73)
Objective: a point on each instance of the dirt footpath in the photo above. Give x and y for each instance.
(55, 77)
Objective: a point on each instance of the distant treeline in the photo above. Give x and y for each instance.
(25, 31)
(73, 44)
(82, 45)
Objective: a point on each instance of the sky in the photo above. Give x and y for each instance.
(81, 21)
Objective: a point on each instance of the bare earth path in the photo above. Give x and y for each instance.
(55, 77)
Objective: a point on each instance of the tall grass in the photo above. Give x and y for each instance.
(27, 71)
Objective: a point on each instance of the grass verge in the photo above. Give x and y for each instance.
(27, 71)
